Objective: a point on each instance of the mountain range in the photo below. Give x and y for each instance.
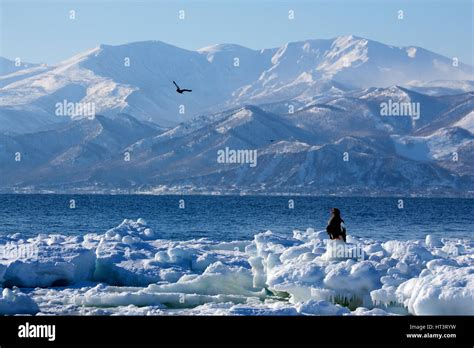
(311, 110)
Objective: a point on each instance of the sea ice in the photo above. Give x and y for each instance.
(440, 290)
(54, 261)
(129, 270)
(15, 302)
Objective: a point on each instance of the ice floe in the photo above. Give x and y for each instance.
(15, 302)
(130, 270)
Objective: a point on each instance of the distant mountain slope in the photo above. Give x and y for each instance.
(136, 78)
(341, 147)
(70, 151)
(442, 87)
(8, 66)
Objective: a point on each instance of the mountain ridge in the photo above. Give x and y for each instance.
(135, 78)
(310, 111)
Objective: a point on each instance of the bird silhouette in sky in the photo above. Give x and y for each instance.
(179, 90)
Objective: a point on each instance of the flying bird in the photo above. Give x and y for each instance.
(179, 90)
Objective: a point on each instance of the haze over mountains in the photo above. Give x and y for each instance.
(311, 109)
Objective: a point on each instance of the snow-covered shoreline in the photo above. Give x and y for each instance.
(129, 270)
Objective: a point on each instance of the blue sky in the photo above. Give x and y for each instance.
(41, 31)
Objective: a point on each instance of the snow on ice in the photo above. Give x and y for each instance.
(129, 270)
(15, 302)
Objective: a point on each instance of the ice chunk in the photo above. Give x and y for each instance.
(15, 302)
(310, 235)
(338, 250)
(442, 290)
(314, 307)
(410, 253)
(216, 279)
(276, 308)
(135, 229)
(385, 296)
(56, 262)
(149, 233)
(358, 278)
(371, 312)
(433, 241)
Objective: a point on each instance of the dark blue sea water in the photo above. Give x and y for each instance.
(234, 217)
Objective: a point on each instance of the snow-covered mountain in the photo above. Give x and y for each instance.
(342, 146)
(442, 87)
(310, 112)
(71, 151)
(350, 60)
(136, 78)
(8, 66)
(133, 78)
